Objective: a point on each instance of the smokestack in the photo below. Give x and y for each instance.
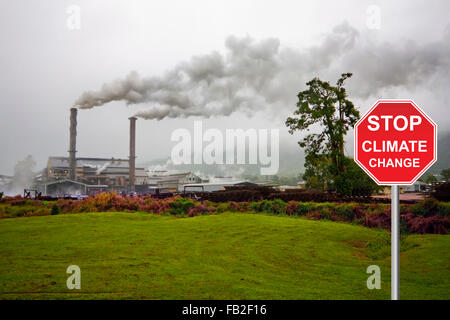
(132, 178)
(73, 143)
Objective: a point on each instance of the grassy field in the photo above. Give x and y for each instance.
(226, 256)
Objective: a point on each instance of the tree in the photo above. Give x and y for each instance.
(430, 178)
(445, 173)
(317, 171)
(327, 105)
(353, 181)
(325, 164)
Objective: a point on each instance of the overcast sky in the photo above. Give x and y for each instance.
(46, 66)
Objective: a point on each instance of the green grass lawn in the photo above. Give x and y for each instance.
(226, 256)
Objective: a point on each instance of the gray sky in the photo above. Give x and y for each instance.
(45, 66)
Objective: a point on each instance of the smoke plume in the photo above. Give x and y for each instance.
(23, 177)
(254, 75)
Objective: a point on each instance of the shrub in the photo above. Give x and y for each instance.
(325, 210)
(199, 208)
(444, 209)
(345, 211)
(425, 207)
(353, 181)
(292, 208)
(222, 207)
(279, 206)
(244, 206)
(304, 208)
(181, 206)
(254, 206)
(55, 210)
(378, 220)
(433, 224)
(265, 206)
(234, 206)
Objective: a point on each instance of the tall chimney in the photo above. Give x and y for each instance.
(132, 178)
(73, 143)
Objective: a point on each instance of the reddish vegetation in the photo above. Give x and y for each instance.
(428, 216)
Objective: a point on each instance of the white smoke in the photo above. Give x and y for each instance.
(102, 168)
(161, 169)
(23, 177)
(254, 75)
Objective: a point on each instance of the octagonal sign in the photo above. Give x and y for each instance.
(395, 142)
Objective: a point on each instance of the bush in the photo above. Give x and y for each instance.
(254, 206)
(324, 210)
(279, 206)
(222, 207)
(345, 211)
(265, 206)
(199, 208)
(432, 224)
(55, 210)
(181, 206)
(292, 208)
(234, 206)
(276, 206)
(444, 209)
(425, 207)
(354, 181)
(304, 208)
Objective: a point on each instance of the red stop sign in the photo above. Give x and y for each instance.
(395, 142)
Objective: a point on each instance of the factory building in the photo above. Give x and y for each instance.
(103, 174)
(171, 182)
(86, 176)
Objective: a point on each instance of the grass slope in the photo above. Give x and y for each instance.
(227, 256)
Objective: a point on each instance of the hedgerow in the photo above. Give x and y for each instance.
(427, 216)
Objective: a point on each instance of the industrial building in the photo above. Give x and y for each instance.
(71, 175)
(83, 176)
(171, 182)
(100, 174)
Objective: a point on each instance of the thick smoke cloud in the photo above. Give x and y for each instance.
(255, 75)
(23, 177)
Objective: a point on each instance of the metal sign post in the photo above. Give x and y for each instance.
(395, 243)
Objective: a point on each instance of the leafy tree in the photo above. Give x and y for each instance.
(430, 178)
(445, 173)
(326, 166)
(317, 171)
(353, 181)
(328, 106)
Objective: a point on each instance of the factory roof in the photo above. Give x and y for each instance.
(165, 173)
(63, 162)
(76, 182)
